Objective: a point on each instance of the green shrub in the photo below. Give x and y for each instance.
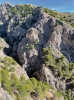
(9, 61)
(62, 19)
(58, 64)
(57, 24)
(4, 74)
(0, 47)
(12, 69)
(21, 10)
(50, 12)
(0, 77)
(72, 25)
(32, 46)
(22, 80)
(48, 58)
(27, 46)
(22, 91)
(45, 51)
(34, 82)
(5, 68)
(36, 41)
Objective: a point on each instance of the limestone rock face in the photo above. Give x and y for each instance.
(48, 76)
(4, 95)
(26, 52)
(3, 11)
(61, 39)
(27, 36)
(4, 49)
(3, 44)
(32, 34)
(12, 28)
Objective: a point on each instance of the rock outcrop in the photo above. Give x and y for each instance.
(28, 35)
(4, 95)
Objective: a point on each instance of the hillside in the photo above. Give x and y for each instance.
(36, 53)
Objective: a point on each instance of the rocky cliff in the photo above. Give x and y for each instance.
(42, 44)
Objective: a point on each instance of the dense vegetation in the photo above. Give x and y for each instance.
(66, 17)
(50, 12)
(20, 10)
(20, 89)
(65, 72)
(23, 11)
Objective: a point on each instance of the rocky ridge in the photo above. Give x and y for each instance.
(27, 37)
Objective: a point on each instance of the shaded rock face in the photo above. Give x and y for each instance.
(50, 35)
(58, 37)
(41, 27)
(27, 48)
(4, 17)
(61, 39)
(47, 75)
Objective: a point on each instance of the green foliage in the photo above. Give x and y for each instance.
(0, 47)
(48, 58)
(50, 12)
(27, 46)
(62, 19)
(22, 91)
(25, 87)
(34, 82)
(12, 10)
(4, 74)
(9, 61)
(5, 80)
(45, 51)
(69, 94)
(57, 64)
(57, 23)
(12, 69)
(14, 81)
(22, 88)
(32, 46)
(21, 10)
(22, 80)
(58, 95)
(0, 77)
(66, 17)
(36, 41)
(72, 24)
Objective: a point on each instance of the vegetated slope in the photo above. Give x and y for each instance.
(16, 85)
(63, 16)
(42, 43)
